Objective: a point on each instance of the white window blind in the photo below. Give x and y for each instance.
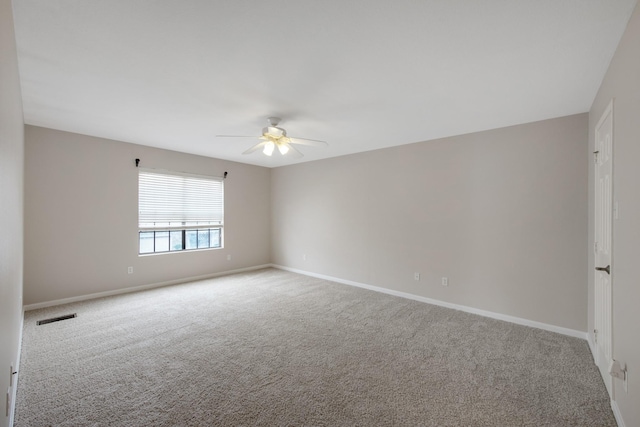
(173, 199)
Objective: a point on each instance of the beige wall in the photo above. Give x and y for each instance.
(11, 202)
(502, 214)
(81, 216)
(622, 83)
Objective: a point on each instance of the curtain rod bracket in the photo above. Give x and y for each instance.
(137, 162)
(225, 175)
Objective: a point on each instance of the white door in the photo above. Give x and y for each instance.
(603, 235)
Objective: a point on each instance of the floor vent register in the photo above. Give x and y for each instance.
(56, 319)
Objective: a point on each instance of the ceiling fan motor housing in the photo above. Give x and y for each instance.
(274, 132)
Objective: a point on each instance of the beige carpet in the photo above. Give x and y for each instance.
(276, 348)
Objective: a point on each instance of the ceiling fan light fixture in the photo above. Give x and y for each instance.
(268, 148)
(283, 148)
(274, 136)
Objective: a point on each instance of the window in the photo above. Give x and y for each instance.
(179, 212)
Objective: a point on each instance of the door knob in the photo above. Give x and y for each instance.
(604, 269)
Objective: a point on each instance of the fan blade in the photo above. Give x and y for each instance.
(308, 142)
(235, 136)
(256, 147)
(294, 152)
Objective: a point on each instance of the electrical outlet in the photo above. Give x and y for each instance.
(129, 270)
(304, 257)
(229, 257)
(416, 276)
(445, 281)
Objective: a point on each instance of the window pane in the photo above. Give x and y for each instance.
(175, 238)
(146, 242)
(162, 241)
(178, 240)
(192, 239)
(215, 237)
(203, 238)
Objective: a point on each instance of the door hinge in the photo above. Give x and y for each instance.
(595, 156)
(595, 247)
(595, 335)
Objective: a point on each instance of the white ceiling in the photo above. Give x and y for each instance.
(360, 74)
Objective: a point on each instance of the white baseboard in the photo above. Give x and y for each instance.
(617, 414)
(493, 315)
(592, 346)
(14, 381)
(139, 288)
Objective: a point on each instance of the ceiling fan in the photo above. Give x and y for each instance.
(276, 137)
